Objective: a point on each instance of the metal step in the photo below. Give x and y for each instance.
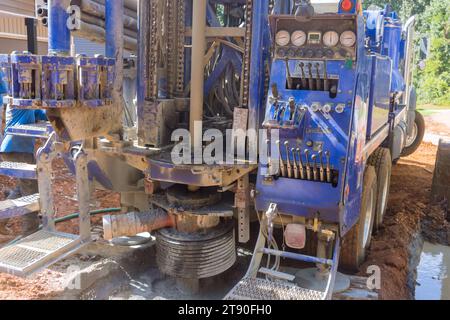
(37, 252)
(18, 170)
(277, 274)
(19, 207)
(261, 289)
(38, 130)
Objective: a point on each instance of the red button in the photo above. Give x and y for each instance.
(347, 5)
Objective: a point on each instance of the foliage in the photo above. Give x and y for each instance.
(434, 23)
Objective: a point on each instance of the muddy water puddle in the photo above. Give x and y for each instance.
(433, 273)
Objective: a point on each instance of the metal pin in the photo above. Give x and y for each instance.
(322, 168)
(282, 167)
(289, 165)
(327, 155)
(315, 173)
(308, 165)
(295, 163)
(300, 164)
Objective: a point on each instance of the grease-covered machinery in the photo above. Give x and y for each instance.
(338, 105)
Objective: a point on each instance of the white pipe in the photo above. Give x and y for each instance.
(197, 71)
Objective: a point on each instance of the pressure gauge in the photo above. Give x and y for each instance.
(331, 38)
(298, 38)
(282, 38)
(348, 39)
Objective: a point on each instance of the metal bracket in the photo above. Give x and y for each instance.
(242, 202)
(44, 158)
(83, 193)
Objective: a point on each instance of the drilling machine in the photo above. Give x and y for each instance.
(331, 86)
(193, 73)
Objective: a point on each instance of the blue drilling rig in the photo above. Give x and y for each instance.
(326, 86)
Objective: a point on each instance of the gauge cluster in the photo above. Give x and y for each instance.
(317, 39)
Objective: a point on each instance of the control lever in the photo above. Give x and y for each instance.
(310, 79)
(295, 163)
(327, 155)
(271, 214)
(290, 83)
(318, 81)
(322, 168)
(315, 174)
(326, 85)
(300, 164)
(308, 165)
(289, 165)
(282, 167)
(304, 81)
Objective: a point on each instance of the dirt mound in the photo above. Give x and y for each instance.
(409, 209)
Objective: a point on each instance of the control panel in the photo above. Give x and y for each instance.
(331, 38)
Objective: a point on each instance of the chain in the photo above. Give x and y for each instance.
(153, 50)
(180, 50)
(245, 81)
(171, 24)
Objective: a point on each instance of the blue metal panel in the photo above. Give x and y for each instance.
(355, 165)
(379, 105)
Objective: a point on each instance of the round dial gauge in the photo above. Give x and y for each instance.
(348, 39)
(331, 38)
(282, 38)
(298, 38)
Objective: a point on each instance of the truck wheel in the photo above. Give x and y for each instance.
(415, 140)
(357, 240)
(381, 160)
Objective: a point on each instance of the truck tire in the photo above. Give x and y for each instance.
(381, 160)
(357, 240)
(413, 143)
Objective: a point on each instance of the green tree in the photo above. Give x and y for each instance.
(433, 22)
(434, 80)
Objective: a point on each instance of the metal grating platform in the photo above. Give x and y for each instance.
(37, 251)
(18, 170)
(261, 289)
(19, 207)
(38, 130)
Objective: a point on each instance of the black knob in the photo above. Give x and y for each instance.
(330, 53)
(300, 52)
(291, 53)
(319, 53)
(281, 53)
(309, 53)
